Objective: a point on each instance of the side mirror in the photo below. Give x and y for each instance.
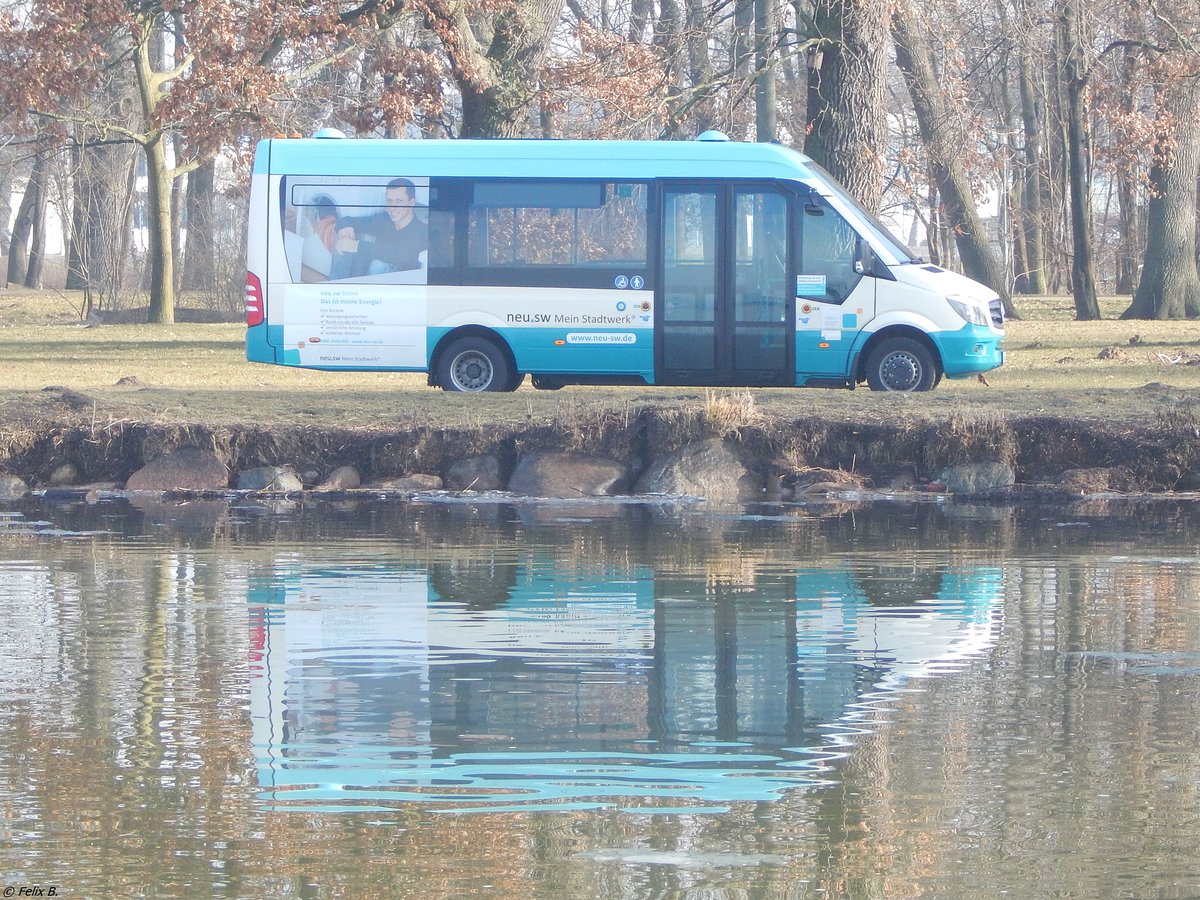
(867, 263)
(865, 260)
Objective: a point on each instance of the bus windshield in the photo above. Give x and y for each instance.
(870, 223)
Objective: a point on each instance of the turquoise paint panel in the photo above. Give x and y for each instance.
(259, 345)
(532, 159)
(262, 158)
(812, 360)
(971, 349)
(274, 349)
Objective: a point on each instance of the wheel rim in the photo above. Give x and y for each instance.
(901, 371)
(471, 371)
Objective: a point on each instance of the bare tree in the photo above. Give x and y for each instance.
(218, 74)
(765, 125)
(6, 188)
(1169, 287)
(198, 262)
(1031, 275)
(496, 59)
(1075, 81)
(943, 136)
(845, 131)
(28, 233)
(1170, 284)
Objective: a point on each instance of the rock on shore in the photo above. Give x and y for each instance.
(12, 487)
(186, 469)
(649, 451)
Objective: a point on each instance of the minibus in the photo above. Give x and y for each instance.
(708, 262)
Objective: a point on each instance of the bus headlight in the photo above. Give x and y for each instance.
(970, 311)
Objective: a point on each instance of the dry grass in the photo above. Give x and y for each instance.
(115, 382)
(730, 415)
(188, 373)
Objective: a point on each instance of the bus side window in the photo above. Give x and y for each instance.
(827, 248)
(761, 263)
(615, 233)
(589, 224)
(447, 205)
(442, 237)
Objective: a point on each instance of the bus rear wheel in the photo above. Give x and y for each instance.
(473, 365)
(902, 365)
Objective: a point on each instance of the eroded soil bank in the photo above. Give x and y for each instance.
(1053, 452)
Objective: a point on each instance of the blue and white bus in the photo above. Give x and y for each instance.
(706, 262)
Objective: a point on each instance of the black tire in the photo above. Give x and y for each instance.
(546, 383)
(902, 365)
(474, 365)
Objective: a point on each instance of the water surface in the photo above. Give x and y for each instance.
(391, 699)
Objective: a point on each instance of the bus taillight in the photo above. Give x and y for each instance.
(254, 300)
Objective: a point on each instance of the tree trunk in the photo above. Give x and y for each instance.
(700, 68)
(498, 86)
(639, 19)
(933, 233)
(1128, 249)
(1127, 227)
(668, 37)
(936, 121)
(158, 220)
(6, 186)
(741, 70)
(178, 186)
(765, 126)
(1031, 279)
(98, 240)
(1083, 277)
(1170, 284)
(18, 245)
(76, 253)
(1055, 186)
(846, 95)
(159, 225)
(741, 46)
(37, 242)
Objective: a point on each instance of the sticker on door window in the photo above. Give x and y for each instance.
(810, 285)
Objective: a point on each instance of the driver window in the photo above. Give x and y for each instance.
(827, 253)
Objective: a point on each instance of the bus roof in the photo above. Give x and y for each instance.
(632, 160)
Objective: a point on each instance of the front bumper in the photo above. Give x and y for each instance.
(970, 350)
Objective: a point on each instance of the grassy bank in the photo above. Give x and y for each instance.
(1130, 380)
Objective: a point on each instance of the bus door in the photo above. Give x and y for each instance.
(725, 310)
(833, 299)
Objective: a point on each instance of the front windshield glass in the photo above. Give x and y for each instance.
(870, 222)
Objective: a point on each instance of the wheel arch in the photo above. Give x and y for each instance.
(465, 331)
(863, 353)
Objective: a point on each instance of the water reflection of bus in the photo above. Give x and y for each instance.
(371, 689)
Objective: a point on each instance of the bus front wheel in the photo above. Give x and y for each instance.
(473, 365)
(903, 365)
